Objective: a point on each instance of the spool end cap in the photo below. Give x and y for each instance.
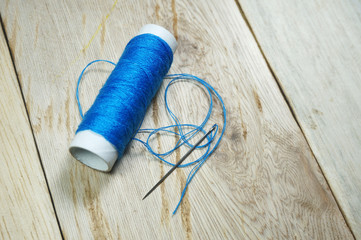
(93, 150)
(160, 32)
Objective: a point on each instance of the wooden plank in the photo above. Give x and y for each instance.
(263, 181)
(26, 211)
(314, 49)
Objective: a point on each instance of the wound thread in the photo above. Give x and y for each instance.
(120, 106)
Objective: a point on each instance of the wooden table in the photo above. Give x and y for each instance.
(290, 162)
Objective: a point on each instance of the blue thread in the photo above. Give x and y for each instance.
(122, 93)
(119, 108)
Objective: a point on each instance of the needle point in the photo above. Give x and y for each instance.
(180, 161)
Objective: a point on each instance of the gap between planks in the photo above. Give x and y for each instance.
(30, 124)
(289, 104)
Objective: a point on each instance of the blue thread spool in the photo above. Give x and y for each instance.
(92, 148)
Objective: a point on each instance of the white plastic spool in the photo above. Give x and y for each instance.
(91, 148)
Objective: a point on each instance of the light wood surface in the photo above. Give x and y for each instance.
(26, 211)
(314, 49)
(262, 182)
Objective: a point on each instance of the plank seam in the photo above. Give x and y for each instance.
(291, 108)
(31, 126)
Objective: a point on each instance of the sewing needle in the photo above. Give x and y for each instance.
(179, 162)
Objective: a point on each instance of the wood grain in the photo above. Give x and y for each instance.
(26, 211)
(314, 49)
(263, 181)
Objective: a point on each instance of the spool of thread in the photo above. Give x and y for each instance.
(118, 110)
